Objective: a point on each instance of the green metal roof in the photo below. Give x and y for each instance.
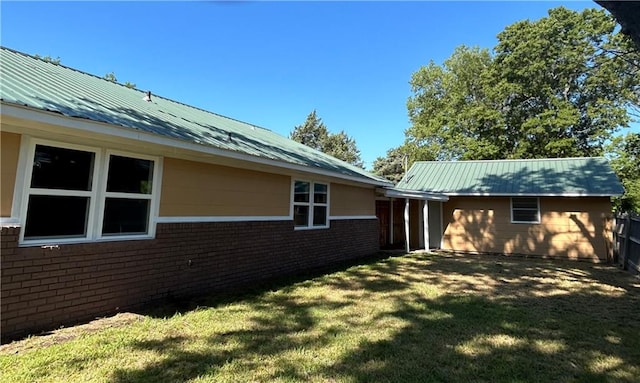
(31, 82)
(539, 177)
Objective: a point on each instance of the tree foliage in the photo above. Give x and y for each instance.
(49, 59)
(312, 132)
(110, 77)
(625, 152)
(315, 134)
(343, 147)
(556, 87)
(392, 166)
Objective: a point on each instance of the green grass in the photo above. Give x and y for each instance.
(414, 318)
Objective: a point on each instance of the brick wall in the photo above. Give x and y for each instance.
(45, 288)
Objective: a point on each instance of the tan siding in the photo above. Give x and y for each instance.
(569, 227)
(352, 201)
(10, 149)
(197, 189)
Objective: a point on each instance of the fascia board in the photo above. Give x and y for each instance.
(53, 118)
(415, 195)
(531, 194)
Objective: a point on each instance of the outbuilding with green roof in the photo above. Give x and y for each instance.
(544, 207)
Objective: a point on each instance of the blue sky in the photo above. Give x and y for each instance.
(269, 63)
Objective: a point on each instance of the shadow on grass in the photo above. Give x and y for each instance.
(184, 304)
(491, 319)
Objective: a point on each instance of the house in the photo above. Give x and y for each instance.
(111, 198)
(546, 207)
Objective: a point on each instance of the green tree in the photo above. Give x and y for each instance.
(341, 146)
(625, 161)
(556, 87)
(392, 166)
(314, 134)
(452, 111)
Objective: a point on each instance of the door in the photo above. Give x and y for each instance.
(383, 214)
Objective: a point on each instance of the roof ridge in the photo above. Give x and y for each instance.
(137, 89)
(508, 160)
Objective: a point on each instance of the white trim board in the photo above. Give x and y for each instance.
(28, 113)
(348, 217)
(189, 219)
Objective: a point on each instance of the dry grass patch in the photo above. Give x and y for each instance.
(414, 318)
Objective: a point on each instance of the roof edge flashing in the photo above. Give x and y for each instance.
(25, 112)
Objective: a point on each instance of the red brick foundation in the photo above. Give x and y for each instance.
(43, 289)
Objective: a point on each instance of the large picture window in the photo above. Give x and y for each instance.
(78, 193)
(525, 210)
(310, 204)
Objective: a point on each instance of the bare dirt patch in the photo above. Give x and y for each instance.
(67, 334)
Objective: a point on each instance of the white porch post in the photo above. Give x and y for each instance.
(425, 221)
(391, 221)
(406, 223)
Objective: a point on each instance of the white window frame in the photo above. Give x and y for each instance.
(311, 204)
(97, 194)
(529, 209)
(104, 194)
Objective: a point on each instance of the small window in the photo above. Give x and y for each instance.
(525, 210)
(301, 192)
(310, 204)
(301, 216)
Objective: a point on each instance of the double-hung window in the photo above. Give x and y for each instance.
(77, 193)
(61, 195)
(525, 210)
(127, 200)
(310, 204)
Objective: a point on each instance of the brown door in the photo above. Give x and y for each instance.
(382, 212)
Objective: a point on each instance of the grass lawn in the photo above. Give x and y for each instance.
(412, 318)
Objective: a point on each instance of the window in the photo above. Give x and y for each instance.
(310, 204)
(525, 210)
(128, 196)
(60, 193)
(78, 193)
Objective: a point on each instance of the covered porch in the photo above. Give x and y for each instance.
(410, 220)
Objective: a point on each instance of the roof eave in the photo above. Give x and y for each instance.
(26, 112)
(454, 194)
(414, 194)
